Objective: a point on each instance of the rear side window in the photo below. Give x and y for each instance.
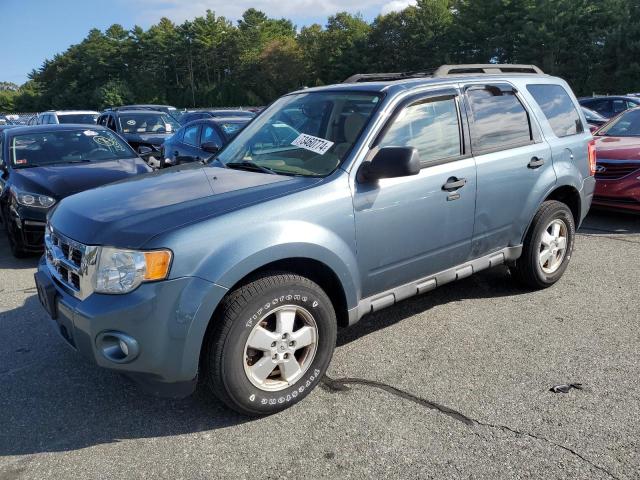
(431, 127)
(558, 108)
(498, 119)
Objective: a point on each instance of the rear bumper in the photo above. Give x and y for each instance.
(168, 320)
(623, 194)
(586, 197)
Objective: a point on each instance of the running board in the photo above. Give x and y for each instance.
(385, 299)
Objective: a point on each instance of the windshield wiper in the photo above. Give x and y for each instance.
(249, 165)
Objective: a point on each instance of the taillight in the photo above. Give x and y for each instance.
(591, 149)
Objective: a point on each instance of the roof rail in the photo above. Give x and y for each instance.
(486, 68)
(385, 77)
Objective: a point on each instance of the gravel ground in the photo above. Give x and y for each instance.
(452, 384)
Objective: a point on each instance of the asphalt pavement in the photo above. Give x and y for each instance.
(451, 384)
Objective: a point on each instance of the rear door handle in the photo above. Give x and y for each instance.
(535, 162)
(454, 183)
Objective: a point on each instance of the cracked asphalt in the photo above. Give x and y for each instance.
(451, 384)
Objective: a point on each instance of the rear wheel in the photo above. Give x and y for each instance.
(547, 247)
(273, 341)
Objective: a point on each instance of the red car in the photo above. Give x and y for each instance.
(618, 163)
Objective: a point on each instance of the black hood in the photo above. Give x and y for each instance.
(64, 179)
(129, 213)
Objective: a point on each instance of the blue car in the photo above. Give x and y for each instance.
(334, 202)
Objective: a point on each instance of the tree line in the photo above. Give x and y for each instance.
(209, 61)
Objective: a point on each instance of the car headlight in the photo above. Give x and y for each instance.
(121, 271)
(37, 200)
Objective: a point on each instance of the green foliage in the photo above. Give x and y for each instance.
(208, 61)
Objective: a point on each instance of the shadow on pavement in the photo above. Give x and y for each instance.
(607, 222)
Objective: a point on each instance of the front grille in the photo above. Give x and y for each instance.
(615, 170)
(65, 260)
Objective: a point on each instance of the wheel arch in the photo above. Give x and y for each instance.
(567, 194)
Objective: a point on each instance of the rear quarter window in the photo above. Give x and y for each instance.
(557, 106)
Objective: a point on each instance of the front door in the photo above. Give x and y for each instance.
(411, 227)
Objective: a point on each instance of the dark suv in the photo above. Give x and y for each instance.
(239, 271)
(143, 129)
(610, 106)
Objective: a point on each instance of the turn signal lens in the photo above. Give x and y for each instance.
(592, 157)
(158, 263)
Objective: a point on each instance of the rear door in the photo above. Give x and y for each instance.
(187, 149)
(513, 163)
(411, 227)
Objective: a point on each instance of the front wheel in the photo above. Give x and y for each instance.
(271, 343)
(547, 247)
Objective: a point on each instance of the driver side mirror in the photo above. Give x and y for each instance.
(390, 162)
(210, 147)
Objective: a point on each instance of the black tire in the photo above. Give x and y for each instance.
(527, 269)
(224, 358)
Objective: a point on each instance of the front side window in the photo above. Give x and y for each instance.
(498, 119)
(307, 134)
(558, 108)
(191, 135)
(626, 125)
(430, 126)
(619, 106)
(66, 146)
(231, 129)
(147, 123)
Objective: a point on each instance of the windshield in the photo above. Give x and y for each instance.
(153, 122)
(66, 146)
(88, 118)
(626, 125)
(306, 134)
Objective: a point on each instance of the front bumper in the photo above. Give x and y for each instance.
(623, 193)
(29, 226)
(167, 319)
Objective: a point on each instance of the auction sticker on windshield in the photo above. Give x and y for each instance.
(315, 144)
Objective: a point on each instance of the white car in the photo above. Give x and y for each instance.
(66, 116)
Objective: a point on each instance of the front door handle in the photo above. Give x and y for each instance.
(536, 162)
(454, 183)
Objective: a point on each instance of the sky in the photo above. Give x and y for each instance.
(36, 30)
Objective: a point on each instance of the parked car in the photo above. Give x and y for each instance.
(610, 106)
(618, 163)
(53, 117)
(198, 114)
(173, 111)
(144, 129)
(41, 165)
(238, 272)
(198, 140)
(594, 119)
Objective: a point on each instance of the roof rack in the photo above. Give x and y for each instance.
(486, 68)
(448, 70)
(386, 77)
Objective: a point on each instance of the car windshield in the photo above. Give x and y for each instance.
(626, 125)
(306, 134)
(88, 118)
(152, 122)
(66, 146)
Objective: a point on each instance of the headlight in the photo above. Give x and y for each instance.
(121, 271)
(33, 199)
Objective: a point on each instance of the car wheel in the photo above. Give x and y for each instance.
(547, 246)
(270, 345)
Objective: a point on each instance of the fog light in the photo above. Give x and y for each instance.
(117, 347)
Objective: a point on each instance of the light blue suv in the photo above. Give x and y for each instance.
(333, 203)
